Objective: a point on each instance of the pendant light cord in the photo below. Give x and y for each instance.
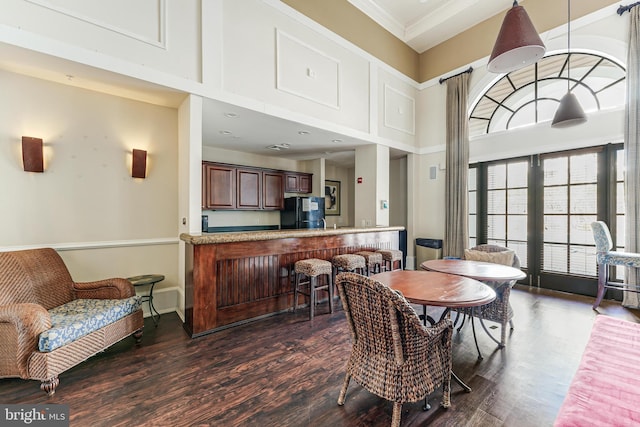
(568, 46)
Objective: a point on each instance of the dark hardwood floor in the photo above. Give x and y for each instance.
(287, 371)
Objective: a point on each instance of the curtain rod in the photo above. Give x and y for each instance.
(444, 79)
(623, 9)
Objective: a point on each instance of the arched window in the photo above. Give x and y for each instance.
(532, 94)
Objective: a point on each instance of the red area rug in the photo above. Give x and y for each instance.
(605, 390)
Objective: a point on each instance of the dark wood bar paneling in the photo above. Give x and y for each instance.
(230, 283)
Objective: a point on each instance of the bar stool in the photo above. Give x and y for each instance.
(373, 261)
(348, 262)
(390, 257)
(312, 268)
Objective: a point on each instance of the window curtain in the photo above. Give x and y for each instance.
(631, 147)
(456, 231)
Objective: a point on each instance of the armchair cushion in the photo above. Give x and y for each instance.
(503, 257)
(80, 317)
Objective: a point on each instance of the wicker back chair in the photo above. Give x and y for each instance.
(499, 310)
(393, 354)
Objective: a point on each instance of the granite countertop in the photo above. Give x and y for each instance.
(249, 236)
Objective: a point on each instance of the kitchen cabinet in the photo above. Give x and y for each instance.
(249, 189)
(218, 186)
(296, 182)
(273, 190)
(235, 187)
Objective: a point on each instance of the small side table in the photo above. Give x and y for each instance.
(150, 280)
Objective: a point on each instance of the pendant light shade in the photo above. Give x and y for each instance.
(518, 43)
(569, 112)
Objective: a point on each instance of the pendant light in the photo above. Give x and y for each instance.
(569, 112)
(518, 43)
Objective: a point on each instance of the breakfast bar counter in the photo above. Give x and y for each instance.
(232, 278)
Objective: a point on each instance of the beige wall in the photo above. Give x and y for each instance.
(349, 22)
(86, 204)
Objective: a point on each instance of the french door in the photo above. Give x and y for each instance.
(542, 207)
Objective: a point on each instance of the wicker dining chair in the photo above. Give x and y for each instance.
(393, 354)
(499, 310)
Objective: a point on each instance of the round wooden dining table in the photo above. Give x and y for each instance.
(437, 289)
(441, 290)
(479, 270)
(495, 275)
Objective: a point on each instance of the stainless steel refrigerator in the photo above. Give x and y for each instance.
(302, 212)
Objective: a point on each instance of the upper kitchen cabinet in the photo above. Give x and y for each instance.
(241, 188)
(273, 190)
(218, 186)
(298, 182)
(287, 64)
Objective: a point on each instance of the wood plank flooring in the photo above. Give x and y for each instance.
(287, 371)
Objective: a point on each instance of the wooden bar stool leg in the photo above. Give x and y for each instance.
(312, 296)
(295, 291)
(330, 293)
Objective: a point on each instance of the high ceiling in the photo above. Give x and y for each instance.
(423, 24)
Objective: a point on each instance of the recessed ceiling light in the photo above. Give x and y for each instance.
(226, 132)
(336, 140)
(231, 115)
(303, 132)
(278, 147)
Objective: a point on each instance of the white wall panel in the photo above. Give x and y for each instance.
(306, 72)
(396, 108)
(399, 111)
(266, 56)
(159, 34)
(144, 20)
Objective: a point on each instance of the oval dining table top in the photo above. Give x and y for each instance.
(479, 270)
(437, 289)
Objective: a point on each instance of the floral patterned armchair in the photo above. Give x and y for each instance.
(49, 323)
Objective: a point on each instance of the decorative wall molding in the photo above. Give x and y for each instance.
(96, 245)
(160, 42)
(307, 72)
(399, 111)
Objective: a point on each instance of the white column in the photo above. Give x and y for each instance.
(189, 179)
(372, 167)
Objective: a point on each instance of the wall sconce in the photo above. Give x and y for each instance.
(139, 165)
(518, 43)
(32, 154)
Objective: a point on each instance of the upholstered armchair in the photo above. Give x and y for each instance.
(49, 323)
(605, 257)
(393, 354)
